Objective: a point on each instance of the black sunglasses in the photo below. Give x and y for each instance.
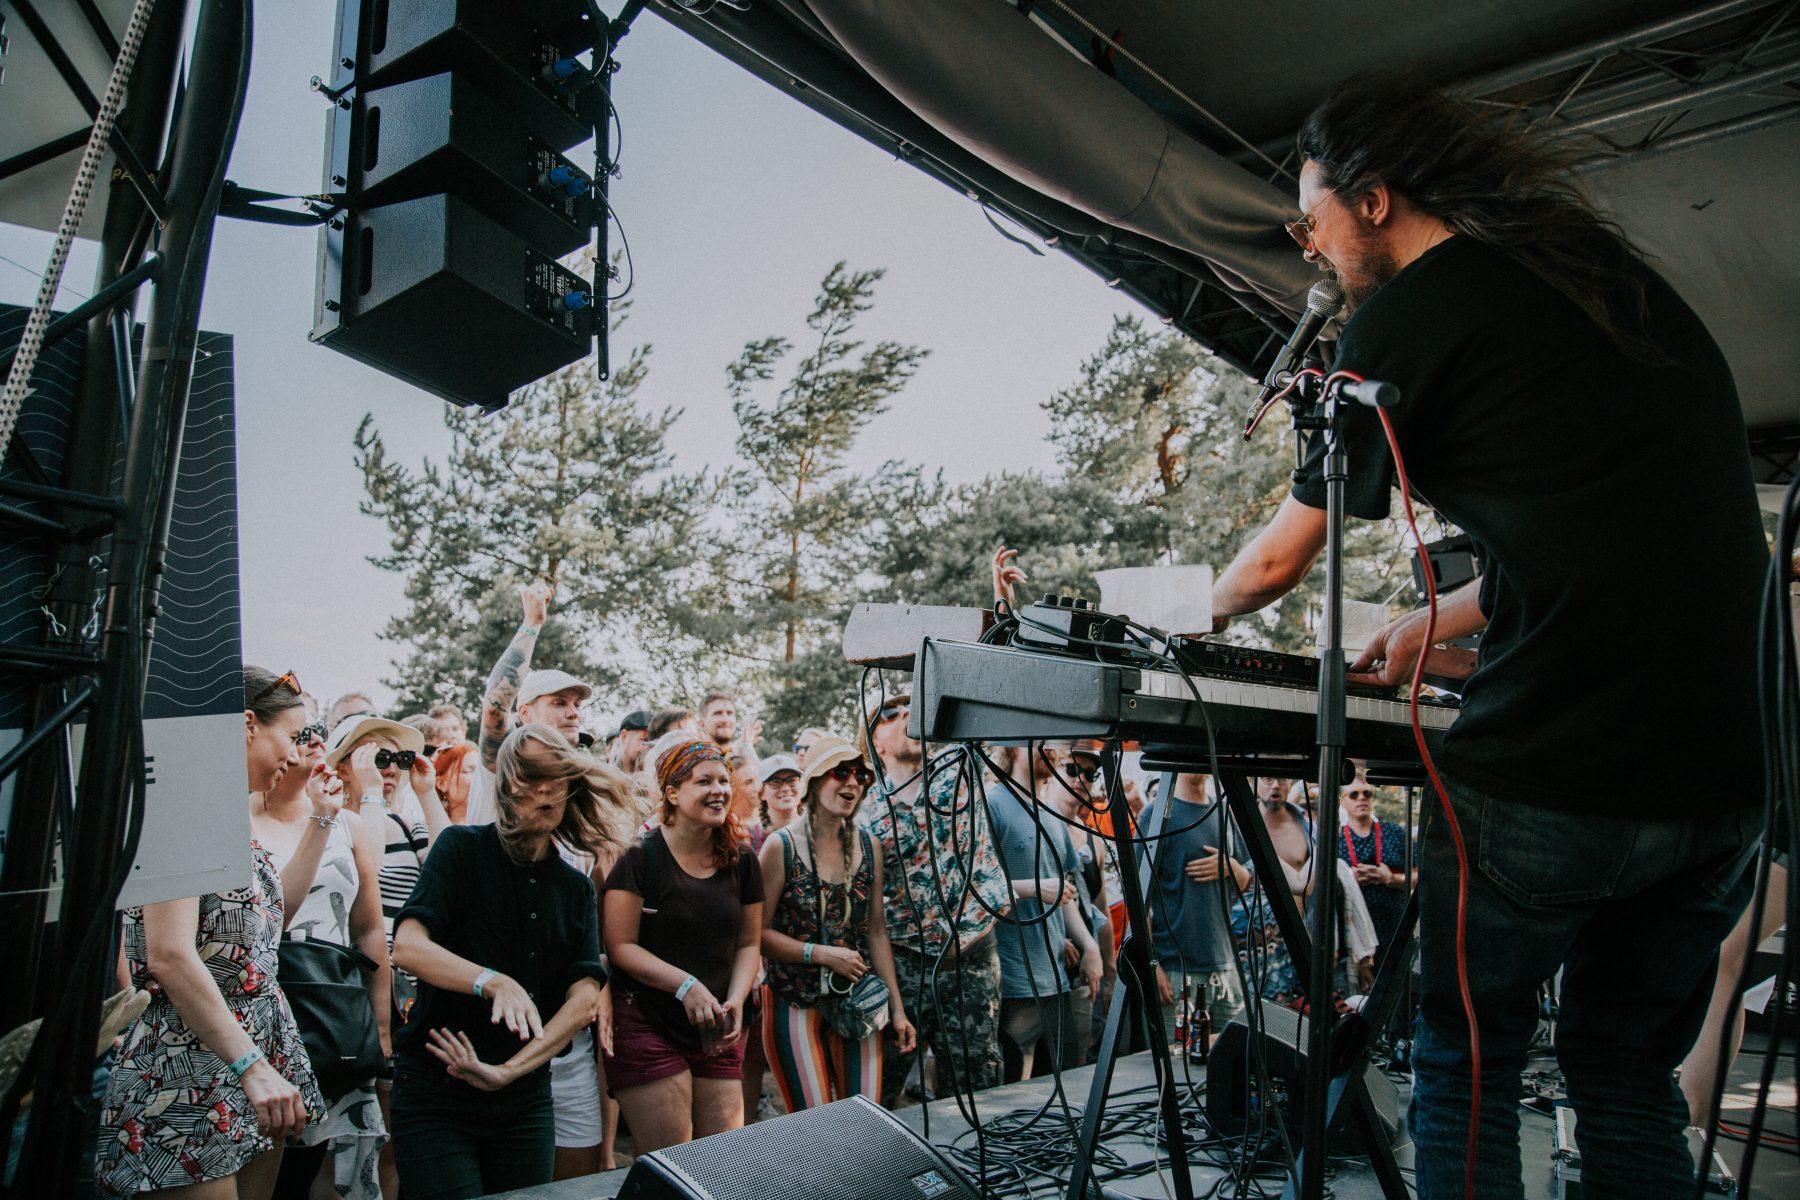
(385, 758)
(1075, 770)
(1359, 794)
(892, 709)
(844, 771)
(309, 734)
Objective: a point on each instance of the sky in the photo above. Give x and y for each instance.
(736, 200)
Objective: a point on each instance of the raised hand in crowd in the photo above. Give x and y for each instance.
(503, 682)
(1007, 575)
(325, 790)
(362, 781)
(422, 775)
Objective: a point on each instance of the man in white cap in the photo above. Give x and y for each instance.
(517, 695)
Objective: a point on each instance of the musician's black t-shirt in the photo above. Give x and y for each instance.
(1614, 501)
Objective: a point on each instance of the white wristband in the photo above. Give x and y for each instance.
(482, 981)
(687, 985)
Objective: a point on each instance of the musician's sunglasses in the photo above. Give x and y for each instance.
(1359, 794)
(1075, 770)
(892, 709)
(1303, 229)
(845, 770)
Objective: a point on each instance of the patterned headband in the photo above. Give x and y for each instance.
(681, 761)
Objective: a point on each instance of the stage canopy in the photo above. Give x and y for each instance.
(1152, 139)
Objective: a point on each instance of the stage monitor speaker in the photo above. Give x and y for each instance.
(850, 1150)
(1238, 1094)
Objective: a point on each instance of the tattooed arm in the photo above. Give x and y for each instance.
(515, 661)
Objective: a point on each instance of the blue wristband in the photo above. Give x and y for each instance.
(687, 985)
(239, 1066)
(806, 954)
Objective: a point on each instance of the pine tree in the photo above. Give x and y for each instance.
(1156, 422)
(572, 484)
(808, 526)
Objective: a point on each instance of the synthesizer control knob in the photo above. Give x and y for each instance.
(1050, 600)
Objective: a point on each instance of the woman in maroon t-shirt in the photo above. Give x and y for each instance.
(683, 918)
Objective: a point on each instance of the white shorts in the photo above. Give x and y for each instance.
(575, 1092)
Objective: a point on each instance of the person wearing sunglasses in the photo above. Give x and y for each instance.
(1376, 851)
(804, 741)
(1038, 988)
(826, 931)
(684, 911)
(213, 1078)
(375, 757)
(777, 794)
(330, 862)
(1565, 407)
(940, 895)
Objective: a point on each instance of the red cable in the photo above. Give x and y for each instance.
(1462, 854)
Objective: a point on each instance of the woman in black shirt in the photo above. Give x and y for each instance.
(684, 932)
(498, 931)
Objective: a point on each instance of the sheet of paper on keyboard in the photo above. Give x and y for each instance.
(1361, 622)
(1174, 599)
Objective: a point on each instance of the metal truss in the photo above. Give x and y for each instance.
(1722, 71)
(104, 534)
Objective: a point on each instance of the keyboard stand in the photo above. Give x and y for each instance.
(1137, 976)
(1352, 1033)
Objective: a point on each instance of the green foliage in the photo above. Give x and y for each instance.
(807, 528)
(571, 483)
(1155, 422)
(669, 584)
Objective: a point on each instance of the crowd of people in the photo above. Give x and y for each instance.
(552, 934)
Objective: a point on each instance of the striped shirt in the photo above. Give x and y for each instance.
(403, 849)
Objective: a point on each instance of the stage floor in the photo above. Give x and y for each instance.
(1777, 1173)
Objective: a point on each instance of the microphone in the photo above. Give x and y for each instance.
(1323, 300)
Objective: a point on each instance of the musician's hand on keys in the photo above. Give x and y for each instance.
(1388, 659)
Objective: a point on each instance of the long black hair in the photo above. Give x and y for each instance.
(1488, 179)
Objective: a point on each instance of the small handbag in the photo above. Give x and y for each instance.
(323, 983)
(852, 1010)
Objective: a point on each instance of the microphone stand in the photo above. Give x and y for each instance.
(1322, 406)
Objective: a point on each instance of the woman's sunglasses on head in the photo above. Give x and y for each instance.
(286, 677)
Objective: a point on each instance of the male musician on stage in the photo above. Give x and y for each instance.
(1563, 406)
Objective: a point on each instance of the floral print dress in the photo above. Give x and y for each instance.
(173, 1114)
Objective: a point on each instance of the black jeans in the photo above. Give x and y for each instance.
(1633, 912)
(454, 1142)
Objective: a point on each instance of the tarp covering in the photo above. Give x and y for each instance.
(986, 77)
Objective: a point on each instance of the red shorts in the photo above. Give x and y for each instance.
(641, 1054)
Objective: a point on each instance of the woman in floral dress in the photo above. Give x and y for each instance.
(213, 1077)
